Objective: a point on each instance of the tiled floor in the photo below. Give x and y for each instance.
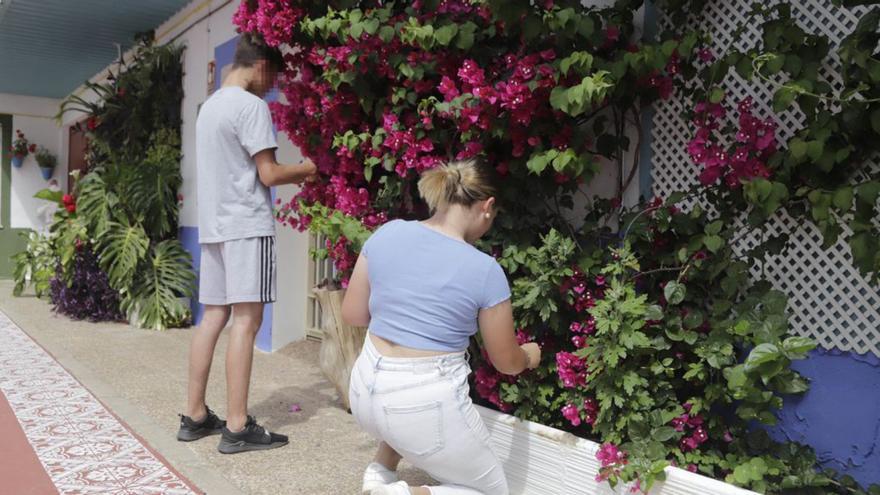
(83, 447)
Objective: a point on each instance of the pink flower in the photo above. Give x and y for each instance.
(448, 89)
(610, 455)
(571, 413)
(612, 33)
(471, 73)
(571, 370)
(706, 55)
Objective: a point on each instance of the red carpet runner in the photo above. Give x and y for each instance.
(58, 438)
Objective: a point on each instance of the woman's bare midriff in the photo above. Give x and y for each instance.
(390, 349)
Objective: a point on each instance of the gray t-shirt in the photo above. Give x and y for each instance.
(233, 125)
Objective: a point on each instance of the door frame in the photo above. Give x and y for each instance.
(10, 240)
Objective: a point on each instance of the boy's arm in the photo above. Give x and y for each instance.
(273, 173)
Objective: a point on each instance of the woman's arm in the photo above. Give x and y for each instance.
(356, 305)
(499, 339)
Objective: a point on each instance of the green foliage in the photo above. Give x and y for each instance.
(126, 205)
(34, 266)
(543, 268)
(45, 158)
(167, 275)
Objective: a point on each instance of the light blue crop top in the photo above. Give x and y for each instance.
(426, 288)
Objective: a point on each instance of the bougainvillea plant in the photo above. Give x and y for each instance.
(657, 340)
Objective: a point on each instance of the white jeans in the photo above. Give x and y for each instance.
(422, 409)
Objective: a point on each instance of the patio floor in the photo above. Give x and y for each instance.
(140, 376)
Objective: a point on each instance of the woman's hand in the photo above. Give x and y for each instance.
(533, 354)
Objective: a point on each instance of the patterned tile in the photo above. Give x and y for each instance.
(82, 446)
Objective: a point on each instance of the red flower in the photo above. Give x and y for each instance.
(70, 207)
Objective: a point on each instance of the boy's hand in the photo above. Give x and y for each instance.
(310, 171)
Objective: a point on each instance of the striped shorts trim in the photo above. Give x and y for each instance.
(239, 270)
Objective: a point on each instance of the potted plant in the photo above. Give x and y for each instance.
(47, 161)
(20, 149)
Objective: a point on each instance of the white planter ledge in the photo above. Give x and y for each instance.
(540, 460)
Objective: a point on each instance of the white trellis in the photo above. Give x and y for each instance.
(829, 300)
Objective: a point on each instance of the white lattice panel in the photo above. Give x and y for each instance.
(829, 300)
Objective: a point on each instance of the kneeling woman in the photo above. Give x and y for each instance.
(423, 290)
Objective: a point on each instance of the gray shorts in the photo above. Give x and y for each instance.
(236, 271)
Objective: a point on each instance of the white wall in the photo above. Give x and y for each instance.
(35, 117)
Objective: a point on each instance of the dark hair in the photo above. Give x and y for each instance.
(251, 49)
(458, 182)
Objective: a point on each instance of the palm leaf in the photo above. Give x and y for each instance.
(166, 275)
(122, 248)
(96, 203)
(154, 185)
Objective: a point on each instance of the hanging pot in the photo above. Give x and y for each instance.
(17, 160)
(47, 172)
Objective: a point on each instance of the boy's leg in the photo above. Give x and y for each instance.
(201, 354)
(250, 282)
(246, 320)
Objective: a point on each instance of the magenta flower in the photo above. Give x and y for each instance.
(571, 370)
(448, 89)
(571, 413)
(609, 455)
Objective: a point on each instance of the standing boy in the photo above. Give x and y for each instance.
(235, 154)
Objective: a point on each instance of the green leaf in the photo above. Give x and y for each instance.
(875, 120)
(445, 34)
(798, 148)
(745, 68)
(386, 33)
(843, 198)
(762, 353)
(356, 30)
(123, 249)
(654, 313)
(815, 149)
(674, 292)
(783, 98)
(716, 95)
(714, 228)
(663, 434)
(166, 276)
(713, 243)
(465, 38)
(775, 64)
(53, 196)
(797, 347)
(559, 98)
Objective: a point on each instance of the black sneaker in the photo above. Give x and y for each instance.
(252, 437)
(191, 430)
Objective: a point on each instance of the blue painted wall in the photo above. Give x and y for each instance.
(840, 415)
